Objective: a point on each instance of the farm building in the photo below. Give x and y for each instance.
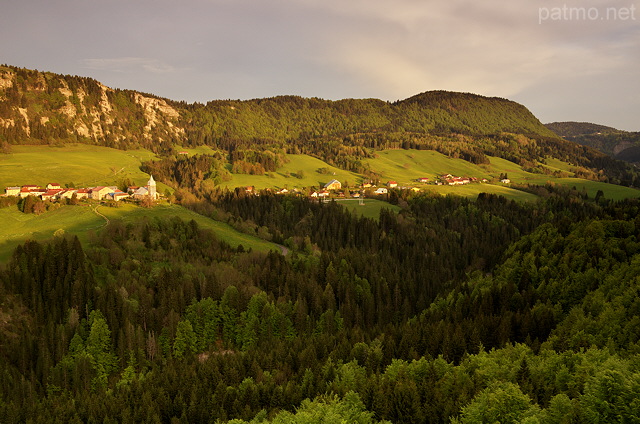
(333, 185)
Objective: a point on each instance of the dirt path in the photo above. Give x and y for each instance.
(101, 215)
(284, 250)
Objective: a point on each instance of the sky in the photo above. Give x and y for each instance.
(575, 60)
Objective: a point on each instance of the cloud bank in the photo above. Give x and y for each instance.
(568, 68)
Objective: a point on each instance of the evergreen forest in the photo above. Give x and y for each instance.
(452, 310)
(440, 309)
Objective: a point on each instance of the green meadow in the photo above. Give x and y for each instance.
(370, 207)
(79, 220)
(405, 166)
(287, 175)
(76, 165)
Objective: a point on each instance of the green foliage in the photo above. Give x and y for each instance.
(622, 145)
(450, 310)
(500, 402)
(185, 340)
(325, 409)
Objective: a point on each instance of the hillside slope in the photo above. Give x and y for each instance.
(45, 108)
(619, 144)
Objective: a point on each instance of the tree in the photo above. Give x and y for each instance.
(500, 402)
(98, 348)
(185, 341)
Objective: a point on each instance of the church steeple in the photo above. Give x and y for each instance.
(151, 186)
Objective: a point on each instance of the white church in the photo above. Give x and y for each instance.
(147, 191)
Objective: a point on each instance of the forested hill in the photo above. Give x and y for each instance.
(42, 107)
(622, 145)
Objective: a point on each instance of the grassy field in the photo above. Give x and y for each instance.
(284, 177)
(78, 220)
(405, 166)
(199, 150)
(370, 208)
(78, 165)
(84, 165)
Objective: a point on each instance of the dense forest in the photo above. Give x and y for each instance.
(622, 145)
(452, 310)
(254, 135)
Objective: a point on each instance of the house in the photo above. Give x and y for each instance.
(457, 181)
(355, 194)
(505, 181)
(423, 180)
(12, 191)
(118, 195)
(314, 194)
(366, 185)
(249, 189)
(140, 193)
(51, 194)
(323, 193)
(82, 193)
(100, 192)
(392, 184)
(381, 190)
(132, 189)
(31, 191)
(333, 185)
(67, 194)
(183, 152)
(282, 191)
(53, 186)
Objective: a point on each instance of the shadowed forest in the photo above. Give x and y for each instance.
(450, 310)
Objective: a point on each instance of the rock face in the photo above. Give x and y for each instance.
(37, 107)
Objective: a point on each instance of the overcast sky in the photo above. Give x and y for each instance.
(578, 60)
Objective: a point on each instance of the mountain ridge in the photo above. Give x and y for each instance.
(45, 108)
(619, 144)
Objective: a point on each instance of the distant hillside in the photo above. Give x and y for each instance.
(45, 108)
(254, 136)
(622, 145)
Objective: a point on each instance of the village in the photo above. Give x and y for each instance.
(54, 192)
(334, 188)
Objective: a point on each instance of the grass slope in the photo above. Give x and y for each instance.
(284, 177)
(370, 209)
(79, 165)
(78, 220)
(405, 166)
(223, 231)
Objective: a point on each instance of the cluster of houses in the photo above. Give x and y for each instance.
(54, 192)
(446, 179)
(335, 187)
